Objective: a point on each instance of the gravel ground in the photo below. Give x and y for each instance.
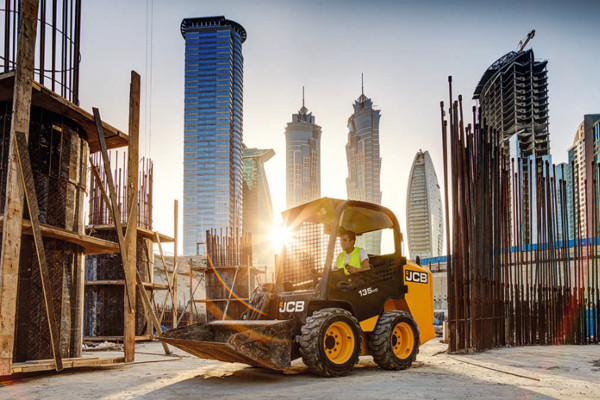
(536, 372)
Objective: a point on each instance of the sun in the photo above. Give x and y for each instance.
(280, 235)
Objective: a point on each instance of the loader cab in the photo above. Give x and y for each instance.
(308, 259)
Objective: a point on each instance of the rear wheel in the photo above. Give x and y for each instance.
(394, 343)
(330, 342)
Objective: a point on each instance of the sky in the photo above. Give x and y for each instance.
(406, 50)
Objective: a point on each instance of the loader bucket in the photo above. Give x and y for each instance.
(265, 344)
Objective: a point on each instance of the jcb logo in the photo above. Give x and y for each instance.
(291, 306)
(415, 276)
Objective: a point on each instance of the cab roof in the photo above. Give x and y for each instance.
(357, 216)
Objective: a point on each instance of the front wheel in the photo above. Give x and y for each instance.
(394, 343)
(330, 342)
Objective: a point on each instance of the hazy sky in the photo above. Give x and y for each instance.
(405, 49)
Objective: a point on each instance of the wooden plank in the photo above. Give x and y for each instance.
(46, 365)
(220, 300)
(45, 98)
(146, 233)
(34, 212)
(90, 244)
(113, 205)
(175, 263)
(120, 282)
(115, 338)
(13, 209)
(132, 190)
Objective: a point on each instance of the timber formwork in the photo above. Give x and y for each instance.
(59, 144)
(104, 273)
(46, 139)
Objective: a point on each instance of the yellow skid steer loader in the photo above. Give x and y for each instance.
(320, 312)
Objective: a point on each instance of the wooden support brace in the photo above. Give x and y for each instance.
(114, 207)
(149, 309)
(119, 228)
(169, 283)
(13, 208)
(175, 263)
(34, 211)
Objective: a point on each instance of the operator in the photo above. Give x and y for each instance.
(351, 259)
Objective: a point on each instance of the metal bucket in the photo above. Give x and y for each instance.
(265, 344)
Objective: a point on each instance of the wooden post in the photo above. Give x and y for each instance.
(131, 239)
(174, 295)
(13, 208)
(191, 264)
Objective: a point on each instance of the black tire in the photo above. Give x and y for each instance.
(394, 343)
(330, 342)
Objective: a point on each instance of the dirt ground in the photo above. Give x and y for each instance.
(557, 372)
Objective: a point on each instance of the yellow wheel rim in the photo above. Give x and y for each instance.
(403, 340)
(338, 342)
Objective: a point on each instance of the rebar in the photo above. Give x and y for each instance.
(57, 50)
(515, 276)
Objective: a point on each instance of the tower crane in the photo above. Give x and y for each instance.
(522, 43)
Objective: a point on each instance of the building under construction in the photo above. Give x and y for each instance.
(46, 141)
(513, 96)
(513, 99)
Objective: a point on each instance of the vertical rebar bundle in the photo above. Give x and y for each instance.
(57, 50)
(100, 212)
(228, 248)
(513, 278)
(104, 272)
(230, 277)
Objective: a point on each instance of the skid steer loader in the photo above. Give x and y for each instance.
(316, 311)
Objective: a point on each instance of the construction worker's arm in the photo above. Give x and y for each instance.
(364, 260)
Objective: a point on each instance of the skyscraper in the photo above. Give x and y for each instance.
(364, 162)
(213, 127)
(302, 158)
(424, 218)
(257, 205)
(513, 96)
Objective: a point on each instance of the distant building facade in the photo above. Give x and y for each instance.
(513, 97)
(213, 98)
(562, 181)
(424, 217)
(584, 150)
(302, 159)
(257, 205)
(364, 162)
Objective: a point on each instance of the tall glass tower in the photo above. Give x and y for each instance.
(302, 158)
(424, 220)
(364, 162)
(213, 127)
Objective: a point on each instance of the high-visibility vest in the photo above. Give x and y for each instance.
(354, 260)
